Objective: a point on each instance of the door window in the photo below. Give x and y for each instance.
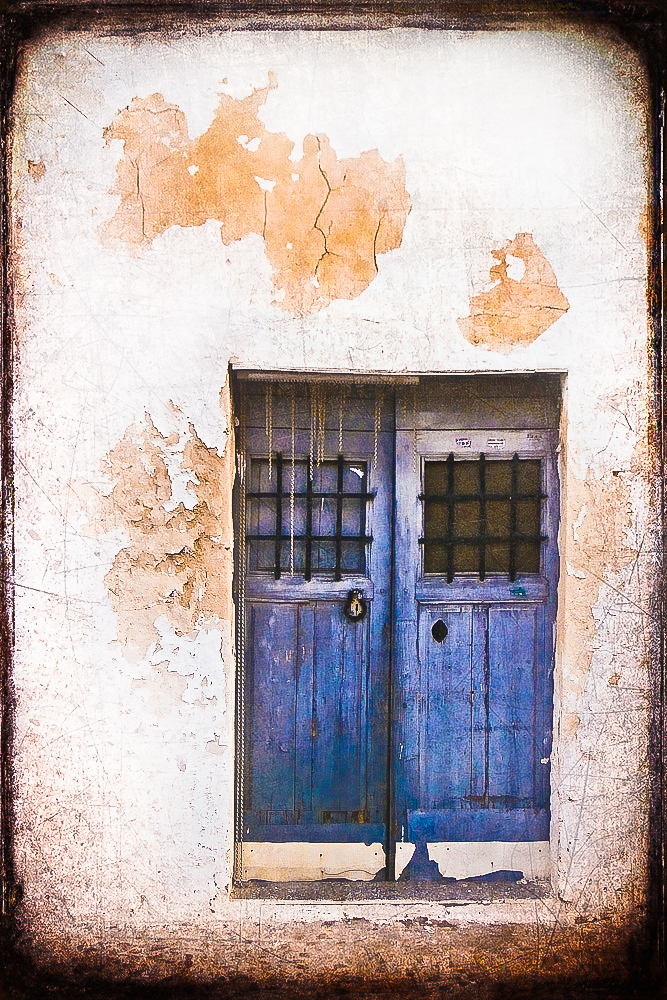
(482, 516)
(306, 520)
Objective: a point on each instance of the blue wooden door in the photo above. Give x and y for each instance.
(318, 504)
(475, 579)
(437, 505)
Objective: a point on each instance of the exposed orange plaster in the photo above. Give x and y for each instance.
(602, 512)
(36, 169)
(515, 313)
(571, 723)
(324, 221)
(647, 222)
(178, 562)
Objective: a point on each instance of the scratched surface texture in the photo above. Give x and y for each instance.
(392, 201)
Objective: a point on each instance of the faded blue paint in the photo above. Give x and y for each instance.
(316, 683)
(470, 732)
(472, 720)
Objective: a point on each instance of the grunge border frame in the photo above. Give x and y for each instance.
(643, 25)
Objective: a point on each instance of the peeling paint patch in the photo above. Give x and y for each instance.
(287, 862)
(602, 547)
(578, 523)
(163, 688)
(515, 313)
(178, 562)
(646, 223)
(36, 169)
(571, 723)
(324, 221)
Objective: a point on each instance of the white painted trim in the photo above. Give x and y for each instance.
(466, 860)
(302, 862)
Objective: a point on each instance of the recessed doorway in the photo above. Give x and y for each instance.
(397, 570)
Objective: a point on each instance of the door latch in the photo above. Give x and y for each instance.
(355, 606)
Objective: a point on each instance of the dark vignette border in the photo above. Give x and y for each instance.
(641, 24)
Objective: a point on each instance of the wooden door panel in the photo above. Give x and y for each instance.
(480, 706)
(316, 685)
(474, 711)
(445, 680)
(339, 719)
(307, 694)
(406, 716)
(303, 711)
(512, 681)
(476, 824)
(279, 672)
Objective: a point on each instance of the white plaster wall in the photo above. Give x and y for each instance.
(125, 767)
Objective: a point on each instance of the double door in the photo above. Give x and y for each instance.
(398, 566)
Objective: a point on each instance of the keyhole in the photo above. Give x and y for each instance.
(439, 630)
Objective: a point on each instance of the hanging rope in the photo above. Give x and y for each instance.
(414, 428)
(241, 642)
(322, 420)
(340, 421)
(376, 430)
(311, 450)
(269, 425)
(324, 423)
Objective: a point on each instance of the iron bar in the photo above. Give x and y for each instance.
(279, 513)
(339, 518)
(482, 516)
(513, 512)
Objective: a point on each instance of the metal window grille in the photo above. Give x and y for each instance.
(482, 516)
(320, 517)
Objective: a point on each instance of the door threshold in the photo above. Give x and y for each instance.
(498, 888)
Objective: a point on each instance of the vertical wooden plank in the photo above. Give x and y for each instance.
(272, 646)
(407, 714)
(248, 709)
(406, 667)
(363, 728)
(512, 635)
(379, 479)
(327, 693)
(446, 694)
(336, 756)
(479, 721)
(326, 678)
(303, 714)
(351, 786)
(544, 656)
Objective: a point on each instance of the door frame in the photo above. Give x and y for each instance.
(543, 443)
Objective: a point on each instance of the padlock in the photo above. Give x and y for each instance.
(355, 606)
